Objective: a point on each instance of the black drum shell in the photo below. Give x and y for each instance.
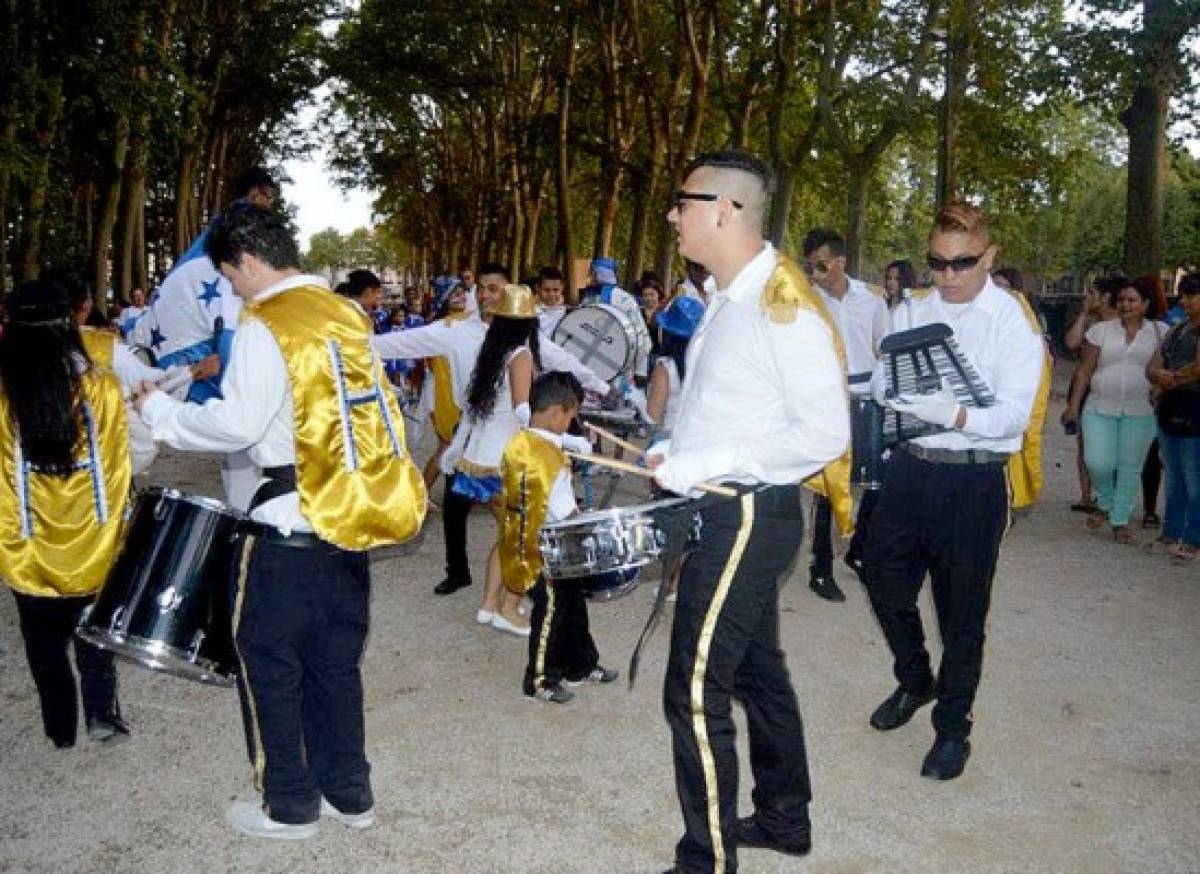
(169, 587)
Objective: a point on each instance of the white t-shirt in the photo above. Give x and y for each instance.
(1119, 386)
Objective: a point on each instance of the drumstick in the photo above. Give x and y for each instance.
(605, 461)
(613, 438)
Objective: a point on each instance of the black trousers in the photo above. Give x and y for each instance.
(300, 618)
(47, 624)
(455, 509)
(725, 645)
(822, 549)
(946, 520)
(560, 642)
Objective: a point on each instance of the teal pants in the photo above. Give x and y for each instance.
(1114, 449)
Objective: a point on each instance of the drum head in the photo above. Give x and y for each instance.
(601, 337)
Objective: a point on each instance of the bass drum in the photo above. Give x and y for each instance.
(601, 337)
(165, 604)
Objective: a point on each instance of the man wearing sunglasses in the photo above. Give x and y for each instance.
(862, 317)
(763, 407)
(944, 507)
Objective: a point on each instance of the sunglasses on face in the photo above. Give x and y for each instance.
(959, 265)
(682, 197)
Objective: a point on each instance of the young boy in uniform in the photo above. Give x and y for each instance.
(536, 489)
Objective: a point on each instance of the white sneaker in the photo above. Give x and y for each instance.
(366, 819)
(501, 624)
(484, 617)
(249, 818)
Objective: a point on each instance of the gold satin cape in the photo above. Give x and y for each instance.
(528, 469)
(358, 485)
(446, 414)
(1025, 467)
(787, 291)
(61, 538)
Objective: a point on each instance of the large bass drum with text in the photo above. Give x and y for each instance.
(601, 337)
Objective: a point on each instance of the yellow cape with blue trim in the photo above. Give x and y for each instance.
(358, 485)
(59, 535)
(787, 291)
(528, 469)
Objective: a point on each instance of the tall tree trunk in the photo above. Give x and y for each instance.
(562, 175)
(781, 204)
(110, 199)
(1146, 121)
(858, 186)
(39, 182)
(644, 190)
(7, 139)
(606, 214)
(138, 254)
(184, 196)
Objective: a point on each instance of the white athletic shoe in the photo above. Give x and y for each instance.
(366, 819)
(249, 818)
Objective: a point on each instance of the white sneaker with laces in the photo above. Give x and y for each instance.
(366, 819)
(249, 818)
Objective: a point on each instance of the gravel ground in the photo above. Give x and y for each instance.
(1085, 757)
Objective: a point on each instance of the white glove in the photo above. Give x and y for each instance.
(936, 408)
(522, 413)
(637, 399)
(577, 444)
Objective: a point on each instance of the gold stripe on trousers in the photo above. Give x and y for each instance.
(700, 669)
(260, 753)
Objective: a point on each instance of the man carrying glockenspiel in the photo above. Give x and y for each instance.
(945, 506)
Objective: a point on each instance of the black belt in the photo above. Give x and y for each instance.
(281, 481)
(859, 378)
(271, 534)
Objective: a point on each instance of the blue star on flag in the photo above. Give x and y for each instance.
(156, 337)
(210, 292)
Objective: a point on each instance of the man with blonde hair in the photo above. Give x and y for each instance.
(944, 507)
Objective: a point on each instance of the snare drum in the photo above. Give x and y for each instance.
(866, 442)
(601, 337)
(619, 541)
(165, 604)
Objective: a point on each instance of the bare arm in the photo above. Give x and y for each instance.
(1080, 381)
(660, 390)
(520, 378)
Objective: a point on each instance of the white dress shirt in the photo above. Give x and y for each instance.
(548, 319)
(255, 413)
(460, 341)
(863, 319)
(1119, 386)
(995, 336)
(762, 401)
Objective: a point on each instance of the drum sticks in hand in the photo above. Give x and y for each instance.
(605, 461)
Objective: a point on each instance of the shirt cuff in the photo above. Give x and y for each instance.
(681, 473)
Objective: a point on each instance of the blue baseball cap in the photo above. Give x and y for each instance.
(682, 316)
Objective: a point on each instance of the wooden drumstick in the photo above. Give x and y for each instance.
(605, 461)
(614, 439)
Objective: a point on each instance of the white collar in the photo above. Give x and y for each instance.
(292, 282)
(556, 439)
(751, 278)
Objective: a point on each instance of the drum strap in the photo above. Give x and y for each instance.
(281, 481)
(859, 378)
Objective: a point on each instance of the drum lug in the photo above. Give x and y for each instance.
(160, 509)
(169, 599)
(117, 615)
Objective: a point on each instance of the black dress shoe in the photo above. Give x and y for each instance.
(749, 833)
(898, 709)
(826, 587)
(107, 727)
(854, 561)
(946, 758)
(449, 586)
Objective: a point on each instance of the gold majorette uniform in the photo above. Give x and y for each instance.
(1025, 467)
(59, 535)
(528, 469)
(787, 291)
(357, 483)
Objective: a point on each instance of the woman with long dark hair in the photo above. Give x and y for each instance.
(898, 277)
(64, 450)
(497, 408)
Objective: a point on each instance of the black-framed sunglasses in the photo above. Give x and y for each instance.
(961, 264)
(682, 196)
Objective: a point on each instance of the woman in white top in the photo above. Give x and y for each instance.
(1118, 419)
(497, 408)
(678, 322)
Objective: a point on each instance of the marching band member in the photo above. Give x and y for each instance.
(698, 283)
(536, 489)
(944, 507)
(862, 319)
(67, 464)
(459, 342)
(678, 322)
(307, 397)
(193, 315)
(604, 289)
(551, 308)
(763, 408)
(133, 312)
